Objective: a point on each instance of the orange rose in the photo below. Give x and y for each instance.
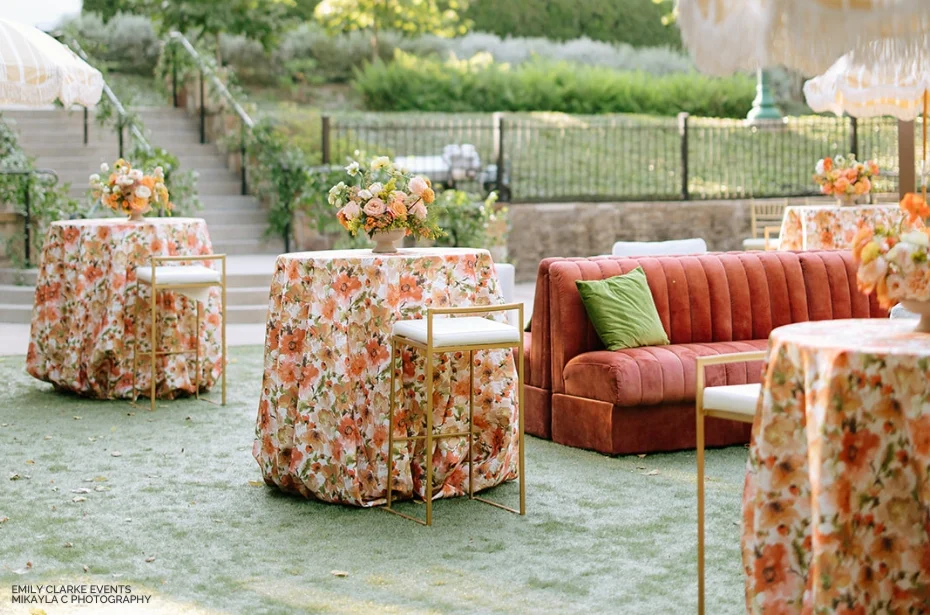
(916, 207)
(852, 174)
(398, 209)
(873, 169)
(827, 164)
(828, 188)
(863, 236)
(841, 185)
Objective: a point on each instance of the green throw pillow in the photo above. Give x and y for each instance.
(623, 311)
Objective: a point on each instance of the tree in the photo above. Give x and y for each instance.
(410, 17)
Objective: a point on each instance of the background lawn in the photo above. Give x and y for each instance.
(601, 534)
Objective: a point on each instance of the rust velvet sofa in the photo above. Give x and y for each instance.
(642, 400)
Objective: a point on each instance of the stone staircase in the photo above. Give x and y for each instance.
(236, 222)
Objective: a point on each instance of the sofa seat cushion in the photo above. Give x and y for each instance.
(656, 374)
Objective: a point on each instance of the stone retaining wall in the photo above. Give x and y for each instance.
(588, 229)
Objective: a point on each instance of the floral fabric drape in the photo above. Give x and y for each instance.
(813, 227)
(835, 507)
(322, 426)
(84, 320)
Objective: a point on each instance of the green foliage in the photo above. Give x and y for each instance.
(123, 43)
(468, 221)
(479, 84)
(409, 17)
(637, 22)
(48, 201)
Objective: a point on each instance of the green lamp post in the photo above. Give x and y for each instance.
(763, 106)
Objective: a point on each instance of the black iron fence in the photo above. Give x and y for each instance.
(555, 157)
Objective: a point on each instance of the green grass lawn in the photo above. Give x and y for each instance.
(181, 514)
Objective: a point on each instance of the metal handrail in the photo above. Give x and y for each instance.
(246, 124)
(124, 117)
(27, 247)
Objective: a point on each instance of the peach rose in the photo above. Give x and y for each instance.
(398, 209)
(828, 188)
(863, 186)
(375, 207)
(351, 211)
(841, 185)
(851, 175)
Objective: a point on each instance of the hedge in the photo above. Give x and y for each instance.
(411, 83)
(637, 22)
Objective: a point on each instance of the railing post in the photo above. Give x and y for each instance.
(243, 162)
(683, 136)
(854, 136)
(203, 113)
(27, 203)
(119, 132)
(499, 138)
(85, 125)
(174, 74)
(326, 141)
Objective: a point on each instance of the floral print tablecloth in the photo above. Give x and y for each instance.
(819, 227)
(83, 326)
(322, 426)
(836, 507)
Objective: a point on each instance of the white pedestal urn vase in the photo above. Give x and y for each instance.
(847, 200)
(923, 309)
(386, 241)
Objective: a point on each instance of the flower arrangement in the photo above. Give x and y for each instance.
(845, 177)
(130, 191)
(383, 198)
(894, 263)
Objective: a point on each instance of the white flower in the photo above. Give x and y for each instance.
(419, 210)
(159, 173)
(916, 238)
(135, 174)
(104, 168)
(351, 211)
(417, 186)
(375, 188)
(143, 192)
(364, 195)
(334, 192)
(819, 168)
(353, 168)
(125, 180)
(840, 161)
(381, 162)
(94, 178)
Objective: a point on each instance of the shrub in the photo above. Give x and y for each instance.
(637, 22)
(621, 56)
(410, 83)
(126, 43)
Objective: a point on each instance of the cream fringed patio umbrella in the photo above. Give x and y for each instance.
(886, 77)
(726, 36)
(35, 69)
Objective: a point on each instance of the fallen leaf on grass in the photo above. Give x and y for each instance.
(149, 560)
(642, 455)
(640, 467)
(100, 479)
(339, 573)
(128, 519)
(116, 454)
(4, 519)
(256, 483)
(37, 611)
(24, 569)
(18, 476)
(68, 545)
(652, 473)
(47, 438)
(77, 418)
(99, 488)
(81, 490)
(85, 568)
(30, 462)
(78, 498)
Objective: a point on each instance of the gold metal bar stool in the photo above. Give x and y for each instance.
(735, 402)
(443, 335)
(179, 278)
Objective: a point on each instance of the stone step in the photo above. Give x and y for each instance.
(219, 217)
(18, 314)
(17, 295)
(236, 202)
(236, 247)
(223, 188)
(235, 230)
(247, 314)
(18, 277)
(250, 295)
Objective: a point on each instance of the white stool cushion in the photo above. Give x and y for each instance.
(461, 331)
(736, 398)
(675, 247)
(758, 243)
(178, 276)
